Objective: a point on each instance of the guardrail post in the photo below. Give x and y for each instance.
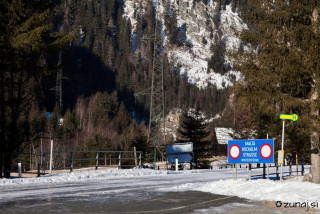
(249, 171)
(302, 167)
(119, 161)
(264, 171)
(97, 160)
(140, 160)
(71, 161)
(277, 171)
(43, 154)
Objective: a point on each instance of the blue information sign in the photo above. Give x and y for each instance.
(250, 151)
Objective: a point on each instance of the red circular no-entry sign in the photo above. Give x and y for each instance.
(265, 151)
(234, 151)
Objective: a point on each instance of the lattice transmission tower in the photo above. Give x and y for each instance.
(156, 92)
(58, 87)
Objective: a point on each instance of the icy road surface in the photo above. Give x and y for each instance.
(89, 190)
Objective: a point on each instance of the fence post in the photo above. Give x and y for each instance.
(302, 167)
(135, 156)
(264, 171)
(19, 170)
(119, 159)
(71, 161)
(277, 171)
(140, 160)
(50, 166)
(97, 160)
(176, 164)
(38, 169)
(43, 154)
(290, 167)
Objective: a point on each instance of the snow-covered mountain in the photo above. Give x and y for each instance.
(194, 16)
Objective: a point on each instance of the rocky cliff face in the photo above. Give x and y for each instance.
(107, 53)
(206, 29)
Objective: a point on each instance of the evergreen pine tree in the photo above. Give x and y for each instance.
(193, 129)
(55, 117)
(69, 125)
(25, 34)
(282, 74)
(123, 118)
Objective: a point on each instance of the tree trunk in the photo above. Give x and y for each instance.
(7, 166)
(3, 123)
(315, 158)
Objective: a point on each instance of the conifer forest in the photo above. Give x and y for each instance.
(70, 69)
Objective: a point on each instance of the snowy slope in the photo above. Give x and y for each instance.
(194, 62)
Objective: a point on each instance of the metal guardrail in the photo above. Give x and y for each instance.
(301, 161)
(68, 163)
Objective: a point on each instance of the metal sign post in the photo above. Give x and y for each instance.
(282, 150)
(267, 164)
(292, 117)
(232, 171)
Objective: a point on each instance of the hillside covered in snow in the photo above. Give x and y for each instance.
(202, 36)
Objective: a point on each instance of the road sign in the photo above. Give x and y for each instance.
(185, 158)
(280, 156)
(292, 117)
(184, 152)
(250, 151)
(234, 151)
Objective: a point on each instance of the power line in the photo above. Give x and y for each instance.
(76, 75)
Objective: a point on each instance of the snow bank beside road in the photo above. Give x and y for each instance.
(83, 176)
(293, 190)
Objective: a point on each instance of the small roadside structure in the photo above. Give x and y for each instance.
(182, 151)
(223, 136)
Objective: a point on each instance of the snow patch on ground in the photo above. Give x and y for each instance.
(262, 189)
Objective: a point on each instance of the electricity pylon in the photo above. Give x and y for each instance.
(58, 87)
(156, 92)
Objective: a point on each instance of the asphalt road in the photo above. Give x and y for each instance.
(125, 195)
(137, 202)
